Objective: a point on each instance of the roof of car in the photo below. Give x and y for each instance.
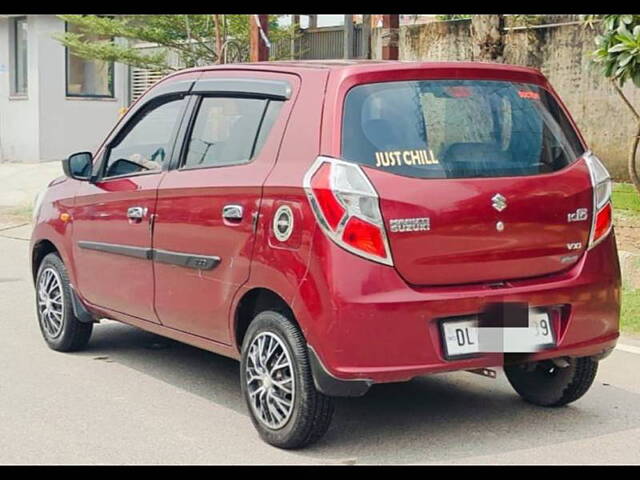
(360, 65)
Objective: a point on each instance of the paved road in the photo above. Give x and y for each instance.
(22, 181)
(134, 397)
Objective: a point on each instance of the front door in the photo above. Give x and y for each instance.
(111, 217)
(207, 210)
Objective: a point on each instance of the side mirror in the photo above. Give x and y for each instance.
(78, 165)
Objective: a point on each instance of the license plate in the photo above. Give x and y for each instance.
(463, 336)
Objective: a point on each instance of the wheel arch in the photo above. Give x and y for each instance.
(254, 301)
(41, 249)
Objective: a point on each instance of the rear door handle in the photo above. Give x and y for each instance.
(232, 212)
(136, 213)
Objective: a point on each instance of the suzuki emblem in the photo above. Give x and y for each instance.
(499, 202)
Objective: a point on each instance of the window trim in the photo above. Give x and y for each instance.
(138, 116)
(245, 87)
(199, 97)
(14, 93)
(68, 95)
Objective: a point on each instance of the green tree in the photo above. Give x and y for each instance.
(446, 18)
(618, 51)
(195, 39)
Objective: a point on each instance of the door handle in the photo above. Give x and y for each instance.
(136, 213)
(232, 212)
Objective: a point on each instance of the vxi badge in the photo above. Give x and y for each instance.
(409, 224)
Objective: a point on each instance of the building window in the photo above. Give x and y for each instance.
(88, 78)
(19, 68)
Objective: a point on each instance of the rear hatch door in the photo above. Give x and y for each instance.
(479, 181)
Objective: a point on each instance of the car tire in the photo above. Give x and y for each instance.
(59, 326)
(548, 385)
(285, 420)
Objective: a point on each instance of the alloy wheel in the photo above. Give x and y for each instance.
(270, 380)
(51, 302)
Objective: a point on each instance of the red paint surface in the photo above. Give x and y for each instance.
(463, 244)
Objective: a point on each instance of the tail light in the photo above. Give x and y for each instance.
(347, 208)
(603, 211)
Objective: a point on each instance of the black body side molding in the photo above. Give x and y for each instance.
(135, 252)
(187, 260)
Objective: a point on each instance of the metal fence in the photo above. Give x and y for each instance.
(140, 79)
(317, 44)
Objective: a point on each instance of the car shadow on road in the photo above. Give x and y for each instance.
(434, 418)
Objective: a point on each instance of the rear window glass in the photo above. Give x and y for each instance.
(457, 129)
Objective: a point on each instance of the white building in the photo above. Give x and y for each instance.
(52, 103)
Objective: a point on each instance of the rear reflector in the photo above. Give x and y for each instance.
(602, 224)
(364, 236)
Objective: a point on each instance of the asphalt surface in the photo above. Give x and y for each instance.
(135, 398)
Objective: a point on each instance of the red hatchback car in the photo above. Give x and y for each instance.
(338, 224)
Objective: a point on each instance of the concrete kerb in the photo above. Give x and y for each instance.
(630, 266)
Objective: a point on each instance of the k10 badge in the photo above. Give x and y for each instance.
(397, 158)
(580, 215)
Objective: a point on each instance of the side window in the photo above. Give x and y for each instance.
(147, 145)
(270, 117)
(225, 131)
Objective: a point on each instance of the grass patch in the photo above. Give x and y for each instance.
(21, 211)
(630, 313)
(15, 215)
(625, 197)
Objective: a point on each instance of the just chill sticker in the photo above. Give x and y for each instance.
(397, 158)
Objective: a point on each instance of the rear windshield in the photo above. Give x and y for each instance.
(457, 129)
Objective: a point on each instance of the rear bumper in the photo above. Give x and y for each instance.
(364, 323)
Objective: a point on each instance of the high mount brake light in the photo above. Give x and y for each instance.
(602, 220)
(347, 208)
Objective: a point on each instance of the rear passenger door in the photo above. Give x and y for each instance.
(208, 202)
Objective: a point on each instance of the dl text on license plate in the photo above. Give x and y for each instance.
(464, 337)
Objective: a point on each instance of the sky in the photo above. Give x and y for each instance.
(323, 20)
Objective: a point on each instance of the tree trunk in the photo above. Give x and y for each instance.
(487, 32)
(633, 149)
(632, 165)
(216, 22)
